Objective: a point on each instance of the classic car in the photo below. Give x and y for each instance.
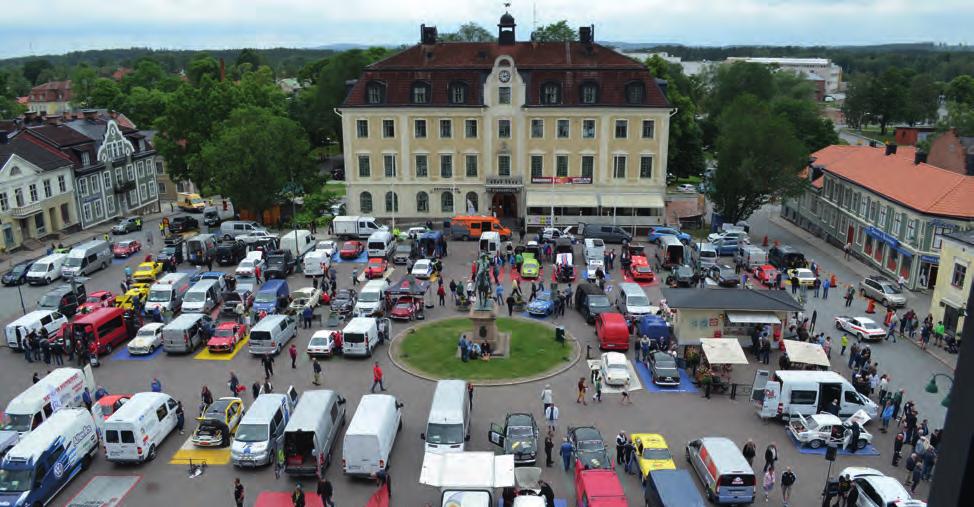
(805, 276)
(664, 370)
(655, 233)
(126, 248)
(376, 268)
(818, 430)
(344, 301)
(878, 490)
(111, 403)
(127, 301)
(147, 340)
(422, 269)
(405, 308)
(183, 223)
(328, 246)
(305, 296)
(218, 422)
(127, 225)
(351, 250)
(530, 267)
(640, 270)
(765, 274)
(589, 448)
(518, 436)
(542, 305)
(97, 299)
(724, 275)
(147, 271)
(324, 343)
(862, 328)
(614, 369)
(653, 453)
(248, 267)
(226, 337)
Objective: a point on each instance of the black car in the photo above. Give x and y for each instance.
(518, 436)
(230, 300)
(664, 370)
(344, 301)
(280, 264)
(682, 276)
(723, 275)
(589, 448)
(183, 223)
(17, 274)
(127, 225)
(63, 299)
(230, 252)
(172, 251)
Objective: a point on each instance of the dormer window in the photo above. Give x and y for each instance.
(85, 158)
(375, 92)
(590, 93)
(421, 93)
(635, 93)
(551, 93)
(458, 93)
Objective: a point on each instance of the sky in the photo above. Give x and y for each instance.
(33, 27)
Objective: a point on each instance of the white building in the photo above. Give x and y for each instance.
(812, 68)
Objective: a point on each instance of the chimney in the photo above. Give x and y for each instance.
(586, 34)
(223, 70)
(919, 158)
(427, 35)
(891, 149)
(54, 120)
(969, 164)
(29, 117)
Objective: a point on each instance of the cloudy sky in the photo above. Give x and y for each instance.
(32, 27)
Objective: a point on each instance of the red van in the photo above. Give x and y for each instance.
(104, 329)
(612, 330)
(598, 487)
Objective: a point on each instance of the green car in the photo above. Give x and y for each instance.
(530, 267)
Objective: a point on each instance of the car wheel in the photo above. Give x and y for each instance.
(885, 302)
(838, 326)
(152, 453)
(861, 444)
(815, 444)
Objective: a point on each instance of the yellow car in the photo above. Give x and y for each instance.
(653, 452)
(218, 423)
(147, 271)
(805, 276)
(127, 301)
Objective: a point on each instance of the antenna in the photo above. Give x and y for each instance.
(534, 17)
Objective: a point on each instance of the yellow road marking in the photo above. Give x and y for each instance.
(206, 355)
(188, 452)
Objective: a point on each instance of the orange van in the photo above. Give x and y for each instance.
(470, 227)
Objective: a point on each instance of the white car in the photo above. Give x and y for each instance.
(256, 235)
(614, 368)
(862, 328)
(738, 236)
(328, 246)
(591, 267)
(423, 269)
(248, 267)
(686, 188)
(551, 233)
(322, 344)
(815, 431)
(416, 232)
(147, 340)
(805, 276)
(306, 296)
(878, 490)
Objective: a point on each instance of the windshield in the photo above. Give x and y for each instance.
(147, 333)
(18, 270)
(247, 264)
(224, 332)
(638, 301)
(73, 262)
(318, 341)
(15, 480)
(444, 433)
(50, 301)
(276, 259)
(251, 433)
(369, 297)
(266, 297)
(619, 367)
(16, 422)
(870, 325)
(656, 454)
(38, 268)
(403, 248)
(598, 301)
(195, 297)
(159, 296)
(891, 289)
(520, 432)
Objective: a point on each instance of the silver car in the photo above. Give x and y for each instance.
(882, 290)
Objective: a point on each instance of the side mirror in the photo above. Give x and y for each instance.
(422, 436)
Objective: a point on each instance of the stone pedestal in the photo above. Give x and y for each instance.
(484, 320)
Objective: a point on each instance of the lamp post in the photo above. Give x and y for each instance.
(23, 307)
(932, 387)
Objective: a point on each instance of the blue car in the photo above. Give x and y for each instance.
(655, 233)
(726, 247)
(542, 305)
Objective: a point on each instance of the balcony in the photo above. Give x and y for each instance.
(26, 211)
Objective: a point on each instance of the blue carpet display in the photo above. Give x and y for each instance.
(122, 354)
(361, 259)
(686, 386)
(869, 450)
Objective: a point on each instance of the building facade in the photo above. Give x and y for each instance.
(50, 98)
(892, 208)
(36, 191)
(544, 132)
(949, 302)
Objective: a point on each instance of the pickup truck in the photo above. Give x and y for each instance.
(816, 431)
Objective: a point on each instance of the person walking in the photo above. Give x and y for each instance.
(770, 456)
(297, 497)
(911, 465)
(598, 389)
(155, 386)
(825, 288)
(811, 323)
(279, 459)
(566, 453)
(441, 293)
(546, 396)
(749, 451)
(470, 395)
(768, 483)
(180, 417)
(887, 415)
(233, 384)
(788, 479)
(265, 361)
(255, 389)
(551, 416)
(849, 294)
(306, 315)
(238, 492)
(206, 396)
(548, 446)
(844, 341)
(621, 440)
(581, 391)
(316, 369)
(293, 352)
(377, 377)
(325, 492)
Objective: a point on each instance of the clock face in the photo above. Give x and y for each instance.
(504, 76)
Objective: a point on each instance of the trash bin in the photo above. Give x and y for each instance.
(560, 334)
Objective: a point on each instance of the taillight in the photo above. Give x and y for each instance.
(382, 463)
(781, 408)
(139, 449)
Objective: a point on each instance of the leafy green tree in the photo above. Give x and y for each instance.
(144, 106)
(253, 155)
(468, 32)
(807, 122)
(149, 74)
(33, 69)
(923, 100)
(203, 65)
(251, 56)
(887, 96)
(685, 148)
(83, 81)
(105, 94)
(856, 105)
(759, 158)
(960, 116)
(555, 32)
(961, 89)
(9, 107)
(730, 81)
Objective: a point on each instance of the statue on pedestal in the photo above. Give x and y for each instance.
(482, 282)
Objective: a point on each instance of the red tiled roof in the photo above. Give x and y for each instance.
(120, 73)
(52, 91)
(922, 187)
(568, 63)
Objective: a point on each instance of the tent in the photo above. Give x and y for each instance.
(723, 351)
(806, 353)
(409, 286)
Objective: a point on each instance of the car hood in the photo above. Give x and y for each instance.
(8, 439)
(219, 340)
(539, 304)
(141, 341)
(524, 445)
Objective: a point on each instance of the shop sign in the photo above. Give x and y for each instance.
(562, 180)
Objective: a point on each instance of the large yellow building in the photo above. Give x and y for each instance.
(524, 130)
(949, 302)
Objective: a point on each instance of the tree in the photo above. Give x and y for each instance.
(251, 56)
(856, 105)
(149, 74)
(685, 148)
(960, 116)
(923, 100)
(144, 106)
(814, 131)
(33, 69)
(961, 89)
(731, 81)
(555, 32)
(254, 154)
(105, 94)
(203, 65)
(887, 96)
(758, 158)
(83, 81)
(468, 32)
(9, 107)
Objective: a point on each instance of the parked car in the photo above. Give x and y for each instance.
(344, 301)
(351, 249)
(328, 246)
(862, 328)
(127, 225)
(805, 276)
(17, 275)
(819, 430)
(614, 368)
(883, 290)
(111, 403)
(589, 447)
(878, 490)
(766, 274)
(654, 453)
(518, 436)
(686, 188)
(183, 223)
(218, 422)
(226, 337)
(147, 271)
(551, 234)
(323, 343)
(260, 237)
(657, 232)
(97, 299)
(172, 251)
(664, 370)
(376, 268)
(405, 308)
(126, 248)
(248, 267)
(147, 340)
(530, 267)
(305, 296)
(423, 269)
(724, 275)
(543, 305)
(414, 233)
(682, 276)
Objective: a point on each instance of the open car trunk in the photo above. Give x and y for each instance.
(299, 454)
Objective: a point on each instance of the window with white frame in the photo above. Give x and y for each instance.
(938, 236)
(4, 202)
(504, 95)
(619, 166)
(958, 275)
(563, 129)
(588, 166)
(95, 183)
(152, 189)
(622, 129)
(388, 128)
(422, 166)
(882, 217)
(897, 224)
(911, 230)
(32, 189)
(362, 128)
(503, 165)
(537, 128)
(446, 129)
(470, 129)
(537, 166)
(422, 202)
(561, 166)
(645, 166)
(446, 165)
(140, 168)
(86, 211)
(419, 129)
(504, 129)
(649, 129)
(82, 187)
(389, 165)
(85, 158)
(133, 198)
(364, 166)
(110, 203)
(98, 209)
(130, 172)
(62, 184)
(588, 129)
(143, 192)
(118, 175)
(471, 166)
(47, 189)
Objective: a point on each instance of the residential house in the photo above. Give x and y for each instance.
(953, 152)
(949, 302)
(50, 98)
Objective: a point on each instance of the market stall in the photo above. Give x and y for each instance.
(413, 289)
(806, 355)
(717, 366)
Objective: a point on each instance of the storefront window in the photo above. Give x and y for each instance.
(906, 265)
(868, 247)
(891, 260)
(878, 255)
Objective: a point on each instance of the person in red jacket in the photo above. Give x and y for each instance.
(377, 377)
(293, 352)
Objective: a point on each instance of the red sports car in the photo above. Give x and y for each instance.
(226, 337)
(765, 273)
(98, 299)
(126, 248)
(376, 268)
(351, 249)
(405, 308)
(640, 269)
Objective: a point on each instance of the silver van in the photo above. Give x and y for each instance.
(271, 334)
(230, 229)
(87, 258)
(168, 292)
(726, 476)
(261, 430)
(632, 300)
(706, 255)
(186, 332)
(202, 297)
(312, 431)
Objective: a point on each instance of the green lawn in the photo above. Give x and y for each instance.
(433, 350)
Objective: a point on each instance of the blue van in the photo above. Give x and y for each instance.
(653, 326)
(270, 295)
(672, 488)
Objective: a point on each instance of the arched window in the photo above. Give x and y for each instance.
(365, 202)
(551, 93)
(422, 202)
(446, 202)
(392, 202)
(458, 92)
(421, 93)
(635, 93)
(375, 92)
(589, 93)
(472, 204)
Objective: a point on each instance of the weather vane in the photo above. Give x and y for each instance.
(507, 5)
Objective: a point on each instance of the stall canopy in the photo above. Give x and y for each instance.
(723, 351)
(806, 353)
(631, 201)
(562, 198)
(409, 286)
(465, 470)
(753, 318)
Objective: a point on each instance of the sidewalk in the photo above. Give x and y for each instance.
(919, 301)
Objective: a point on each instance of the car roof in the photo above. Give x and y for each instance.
(520, 419)
(586, 433)
(614, 357)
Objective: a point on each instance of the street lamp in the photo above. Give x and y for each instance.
(932, 387)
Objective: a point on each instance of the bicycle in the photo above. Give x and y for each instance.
(196, 470)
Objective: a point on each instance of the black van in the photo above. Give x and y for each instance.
(607, 233)
(671, 488)
(280, 264)
(785, 257)
(230, 252)
(63, 299)
(590, 301)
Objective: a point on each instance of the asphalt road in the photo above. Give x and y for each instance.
(680, 417)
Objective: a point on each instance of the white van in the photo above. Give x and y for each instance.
(312, 431)
(804, 392)
(136, 430)
(632, 300)
(87, 258)
(594, 250)
(18, 330)
(202, 297)
(380, 244)
(46, 461)
(706, 255)
(372, 299)
(490, 242)
(361, 335)
(186, 332)
(751, 256)
(371, 435)
(168, 292)
(230, 229)
(261, 431)
(299, 242)
(315, 263)
(671, 252)
(271, 334)
(46, 269)
(448, 426)
(62, 388)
